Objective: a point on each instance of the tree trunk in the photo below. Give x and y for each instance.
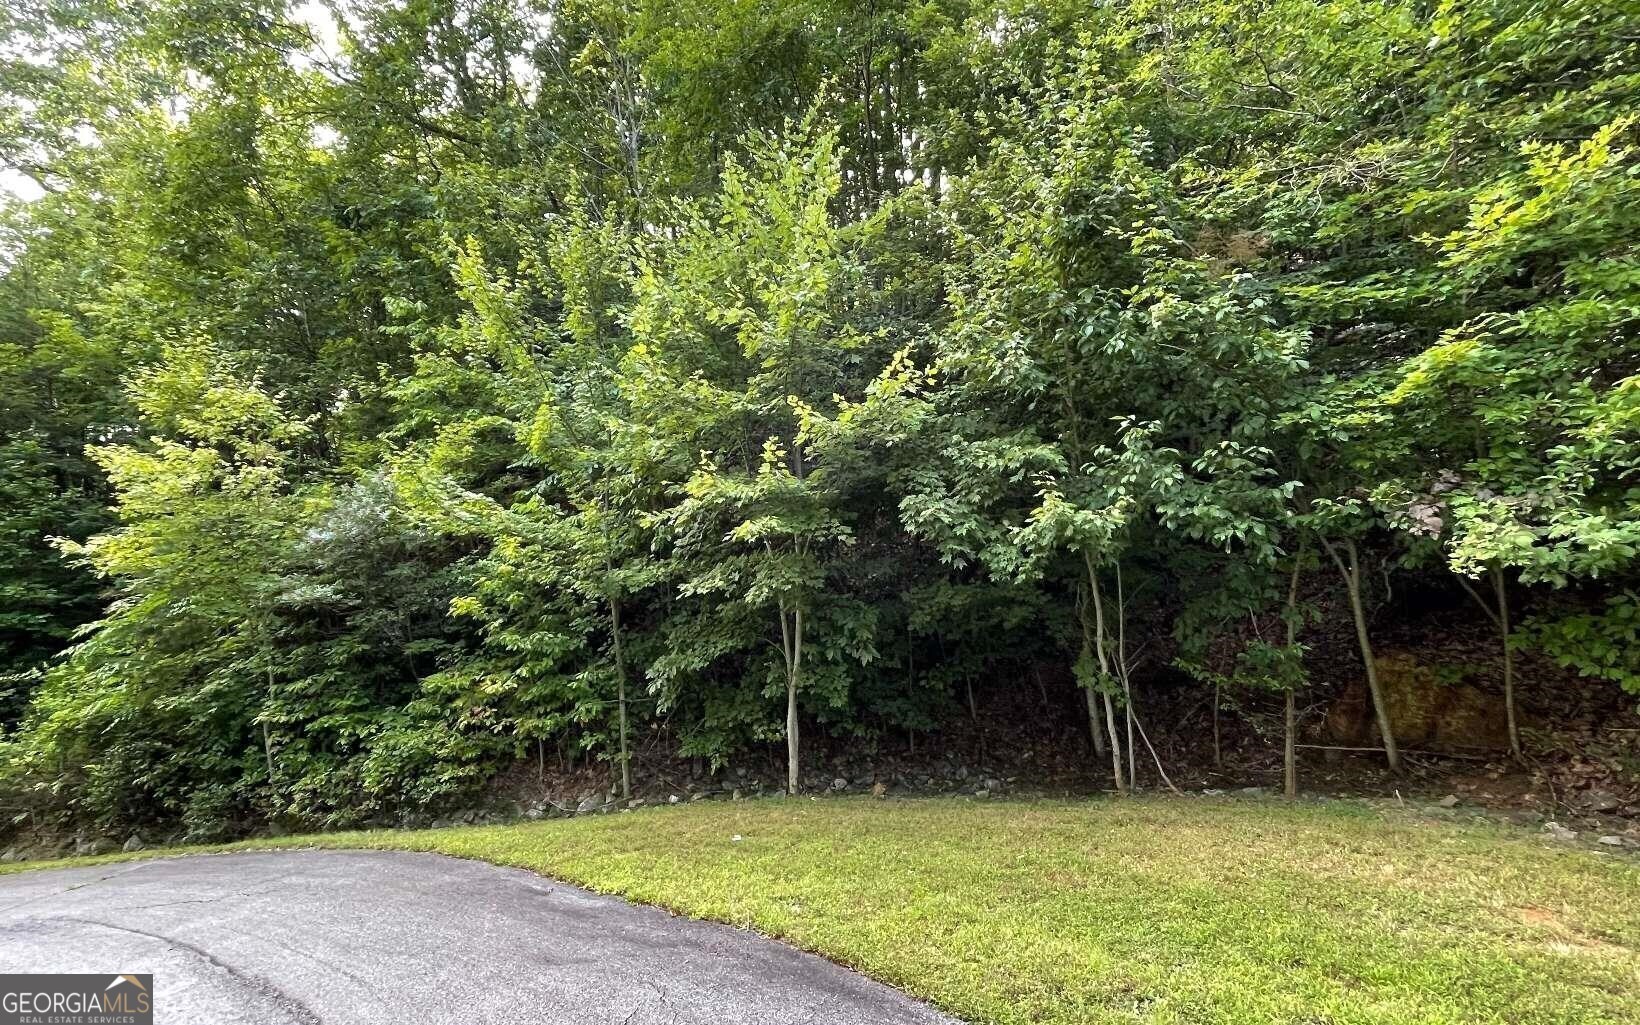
(267, 735)
(1498, 612)
(1218, 750)
(1115, 747)
(1122, 674)
(267, 751)
(1508, 661)
(1289, 757)
(793, 636)
(1352, 583)
(1096, 722)
(1104, 674)
(620, 696)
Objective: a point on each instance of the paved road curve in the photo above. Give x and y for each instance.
(354, 937)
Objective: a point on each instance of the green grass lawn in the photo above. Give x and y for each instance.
(1151, 910)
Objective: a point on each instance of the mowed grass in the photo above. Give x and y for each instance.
(1150, 910)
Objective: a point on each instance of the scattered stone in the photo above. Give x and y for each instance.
(698, 796)
(1598, 801)
(1559, 832)
(12, 854)
(994, 785)
(1610, 841)
(590, 803)
(879, 790)
(1253, 791)
(736, 795)
(133, 843)
(982, 794)
(672, 799)
(736, 838)
(839, 784)
(1449, 801)
(89, 847)
(1212, 792)
(636, 802)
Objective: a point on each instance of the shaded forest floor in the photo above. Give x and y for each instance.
(1582, 769)
(1151, 910)
(1026, 732)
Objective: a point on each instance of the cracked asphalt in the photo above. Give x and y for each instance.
(363, 936)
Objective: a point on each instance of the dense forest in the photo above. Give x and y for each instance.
(394, 390)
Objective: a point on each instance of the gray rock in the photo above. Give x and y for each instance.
(133, 843)
(839, 783)
(982, 794)
(1557, 831)
(12, 854)
(1598, 800)
(994, 785)
(1449, 801)
(1610, 841)
(1253, 791)
(671, 798)
(94, 845)
(590, 803)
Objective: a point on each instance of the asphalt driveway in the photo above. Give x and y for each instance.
(354, 937)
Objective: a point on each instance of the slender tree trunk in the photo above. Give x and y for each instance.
(267, 735)
(620, 696)
(1218, 750)
(1096, 722)
(791, 634)
(1122, 673)
(1351, 572)
(1498, 612)
(1508, 660)
(1289, 755)
(1103, 655)
(1154, 756)
(1115, 746)
(267, 750)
